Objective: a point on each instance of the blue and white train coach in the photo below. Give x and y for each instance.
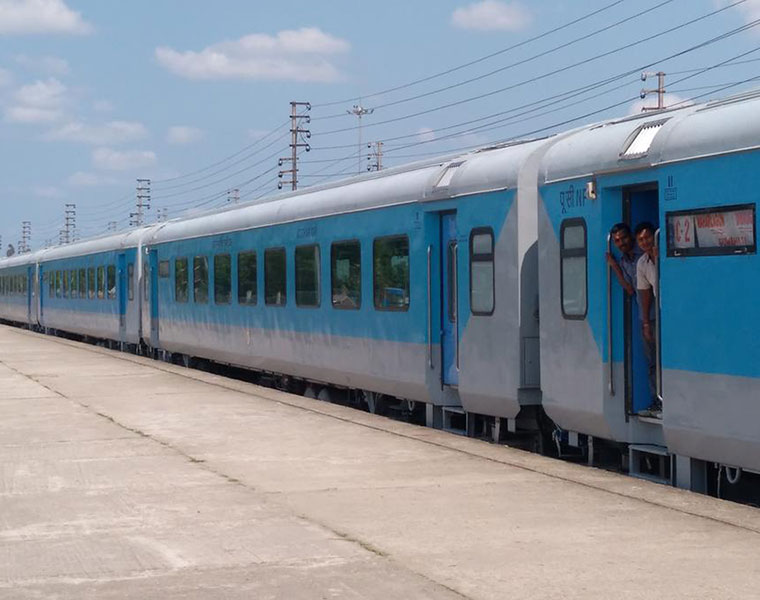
(694, 174)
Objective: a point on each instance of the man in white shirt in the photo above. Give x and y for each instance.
(647, 287)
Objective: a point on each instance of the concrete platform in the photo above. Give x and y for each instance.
(122, 477)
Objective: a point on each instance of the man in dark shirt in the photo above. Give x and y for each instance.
(625, 269)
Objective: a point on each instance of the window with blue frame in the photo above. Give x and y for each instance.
(346, 274)
(247, 273)
(101, 283)
(111, 281)
(391, 273)
(275, 277)
(200, 279)
(91, 283)
(222, 278)
(180, 280)
(307, 275)
(82, 283)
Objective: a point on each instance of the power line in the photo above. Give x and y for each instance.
(472, 62)
(549, 73)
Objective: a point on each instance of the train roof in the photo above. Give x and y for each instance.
(487, 169)
(651, 139)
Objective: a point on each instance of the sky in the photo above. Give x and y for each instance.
(195, 95)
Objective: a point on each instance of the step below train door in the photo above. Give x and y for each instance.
(449, 314)
(640, 205)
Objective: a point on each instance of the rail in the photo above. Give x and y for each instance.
(609, 318)
(429, 305)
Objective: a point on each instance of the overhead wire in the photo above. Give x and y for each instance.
(542, 76)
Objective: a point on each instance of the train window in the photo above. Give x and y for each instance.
(247, 288)
(481, 271)
(573, 269)
(275, 277)
(131, 281)
(163, 269)
(65, 284)
(712, 231)
(74, 285)
(101, 283)
(307, 275)
(82, 283)
(346, 274)
(391, 272)
(58, 284)
(222, 278)
(180, 280)
(91, 282)
(111, 281)
(200, 279)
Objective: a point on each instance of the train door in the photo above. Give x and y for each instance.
(153, 274)
(449, 314)
(30, 279)
(640, 205)
(122, 291)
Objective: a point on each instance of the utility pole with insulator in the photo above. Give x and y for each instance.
(162, 214)
(111, 226)
(660, 91)
(69, 223)
(375, 156)
(137, 218)
(298, 137)
(233, 196)
(26, 237)
(359, 111)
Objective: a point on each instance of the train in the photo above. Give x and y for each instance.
(472, 289)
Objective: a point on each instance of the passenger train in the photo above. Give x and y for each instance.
(475, 286)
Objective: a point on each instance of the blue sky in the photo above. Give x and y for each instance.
(95, 94)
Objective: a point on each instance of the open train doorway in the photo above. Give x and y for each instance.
(641, 206)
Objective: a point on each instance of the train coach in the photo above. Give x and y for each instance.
(693, 174)
(474, 285)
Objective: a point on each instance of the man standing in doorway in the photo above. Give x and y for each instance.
(647, 287)
(625, 268)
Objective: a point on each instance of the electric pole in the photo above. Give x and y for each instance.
(162, 214)
(69, 223)
(111, 226)
(376, 153)
(359, 111)
(298, 135)
(660, 91)
(26, 237)
(137, 218)
(233, 196)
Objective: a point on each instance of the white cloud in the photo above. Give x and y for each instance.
(102, 106)
(6, 77)
(671, 100)
(183, 134)
(48, 64)
(82, 179)
(39, 102)
(108, 159)
(47, 191)
(425, 134)
(40, 16)
(491, 15)
(750, 8)
(113, 132)
(293, 55)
